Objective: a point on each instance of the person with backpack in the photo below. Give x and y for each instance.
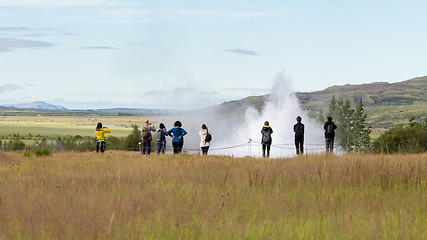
(266, 140)
(161, 139)
(100, 137)
(299, 136)
(329, 134)
(177, 133)
(205, 139)
(147, 128)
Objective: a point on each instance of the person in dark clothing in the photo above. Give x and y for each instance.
(266, 140)
(329, 134)
(299, 136)
(146, 130)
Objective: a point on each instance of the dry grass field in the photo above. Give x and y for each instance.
(123, 195)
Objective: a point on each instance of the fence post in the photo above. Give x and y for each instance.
(249, 146)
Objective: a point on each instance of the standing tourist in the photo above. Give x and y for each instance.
(266, 140)
(299, 136)
(100, 137)
(205, 139)
(161, 139)
(329, 134)
(177, 133)
(147, 128)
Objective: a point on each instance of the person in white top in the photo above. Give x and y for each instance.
(204, 145)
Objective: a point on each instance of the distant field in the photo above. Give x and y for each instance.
(389, 116)
(122, 195)
(54, 126)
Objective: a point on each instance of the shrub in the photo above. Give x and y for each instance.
(403, 139)
(42, 152)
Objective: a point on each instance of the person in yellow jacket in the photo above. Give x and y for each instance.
(100, 137)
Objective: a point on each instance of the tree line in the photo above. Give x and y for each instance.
(353, 132)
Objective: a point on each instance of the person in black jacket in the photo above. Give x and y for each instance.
(329, 134)
(299, 136)
(266, 140)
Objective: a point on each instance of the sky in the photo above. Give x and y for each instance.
(91, 54)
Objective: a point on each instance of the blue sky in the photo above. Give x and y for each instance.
(191, 54)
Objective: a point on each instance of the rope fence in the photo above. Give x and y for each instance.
(251, 143)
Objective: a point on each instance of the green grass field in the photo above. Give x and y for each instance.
(122, 195)
(34, 127)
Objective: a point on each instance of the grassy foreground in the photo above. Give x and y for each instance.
(122, 195)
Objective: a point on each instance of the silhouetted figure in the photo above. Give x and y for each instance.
(266, 140)
(299, 136)
(329, 134)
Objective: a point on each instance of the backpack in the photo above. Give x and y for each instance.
(160, 135)
(266, 136)
(299, 131)
(208, 137)
(145, 132)
(330, 129)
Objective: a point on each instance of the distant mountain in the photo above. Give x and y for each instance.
(36, 105)
(138, 111)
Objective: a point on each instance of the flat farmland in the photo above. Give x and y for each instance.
(53, 126)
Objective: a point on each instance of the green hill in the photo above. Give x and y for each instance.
(386, 104)
(373, 94)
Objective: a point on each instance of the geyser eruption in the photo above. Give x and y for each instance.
(281, 110)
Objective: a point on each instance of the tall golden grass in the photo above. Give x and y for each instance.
(121, 195)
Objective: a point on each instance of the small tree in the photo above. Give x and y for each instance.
(15, 142)
(133, 139)
(333, 108)
(361, 130)
(345, 124)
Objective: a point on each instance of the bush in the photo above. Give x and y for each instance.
(15, 143)
(42, 152)
(403, 139)
(27, 154)
(132, 140)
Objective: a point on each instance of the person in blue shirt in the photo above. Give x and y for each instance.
(177, 133)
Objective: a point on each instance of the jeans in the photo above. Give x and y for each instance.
(329, 144)
(177, 147)
(161, 146)
(100, 146)
(266, 146)
(299, 145)
(146, 146)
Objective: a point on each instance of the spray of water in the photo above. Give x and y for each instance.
(281, 110)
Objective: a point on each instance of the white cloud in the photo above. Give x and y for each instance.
(7, 43)
(242, 51)
(9, 87)
(100, 47)
(56, 3)
(163, 14)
